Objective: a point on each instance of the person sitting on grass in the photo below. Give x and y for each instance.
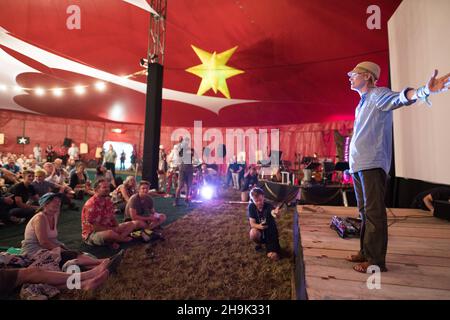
(140, 210)
(99, 225)
(42, 186)
(263, 228)
(52, 177)
(122, 194)
(25, 197)
(41, 233)
(103, 173)
(79, 182)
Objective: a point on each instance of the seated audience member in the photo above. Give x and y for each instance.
(250, 181)
(140, 209)
(99, 225)
(424, 200)
(41, 233)
(263, 228)
(208, 175)
(60, 175)
(32, 165)
(80, 183)
(9, 177)
(21, 162)
(11, 278)
(11, 166)
(71, 166)
(42, 186)
(122, 194)
(59, 187)
(25, 197)
(103, 173)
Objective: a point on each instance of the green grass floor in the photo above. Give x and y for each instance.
(69, 228)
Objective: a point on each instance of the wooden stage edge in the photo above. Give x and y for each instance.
(418, 257)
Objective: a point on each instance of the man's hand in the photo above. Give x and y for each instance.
(437, 85)
(262, 226)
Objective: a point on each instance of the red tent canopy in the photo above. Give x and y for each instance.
(294, 54)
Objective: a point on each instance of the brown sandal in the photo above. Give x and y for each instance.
(356, 258)
(362, 267)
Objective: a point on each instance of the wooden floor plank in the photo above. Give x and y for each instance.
(418, 256)
(391, 257)
(330, 289)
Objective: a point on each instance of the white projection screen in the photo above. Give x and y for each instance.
(419, 42)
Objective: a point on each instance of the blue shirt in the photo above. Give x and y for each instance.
(371, 144)
(14, 169)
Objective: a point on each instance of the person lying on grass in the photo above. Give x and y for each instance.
(140, 210)
(11, 278)
(98, 221)
(262, 223)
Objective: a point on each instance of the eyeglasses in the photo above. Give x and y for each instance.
(354, 74)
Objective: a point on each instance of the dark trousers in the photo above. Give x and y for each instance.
(22, 212)
(370, 188)
(111, 166)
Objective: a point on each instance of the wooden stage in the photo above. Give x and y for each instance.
(418, 257)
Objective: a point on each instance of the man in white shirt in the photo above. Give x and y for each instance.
(74, 152)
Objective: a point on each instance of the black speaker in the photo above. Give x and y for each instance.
(67, 142)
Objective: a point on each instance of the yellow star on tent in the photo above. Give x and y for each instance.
(214, 71)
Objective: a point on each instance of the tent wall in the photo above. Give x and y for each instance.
(304, 139)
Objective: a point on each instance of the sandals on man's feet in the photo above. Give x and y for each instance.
(362, 267)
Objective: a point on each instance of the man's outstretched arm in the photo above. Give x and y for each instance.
(433, 86)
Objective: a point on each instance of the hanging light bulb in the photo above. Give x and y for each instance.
(100, 85)
(80, 90)
(39, 91)
(57, 92)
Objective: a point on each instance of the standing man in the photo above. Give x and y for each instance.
(74, 152)
(162, 169)
(110, 160)
(186, 171)
(122, 160)
(370, 155)
(37, 151)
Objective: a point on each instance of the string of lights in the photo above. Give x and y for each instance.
(59, 91)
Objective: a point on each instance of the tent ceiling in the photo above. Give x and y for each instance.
(294, 54)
